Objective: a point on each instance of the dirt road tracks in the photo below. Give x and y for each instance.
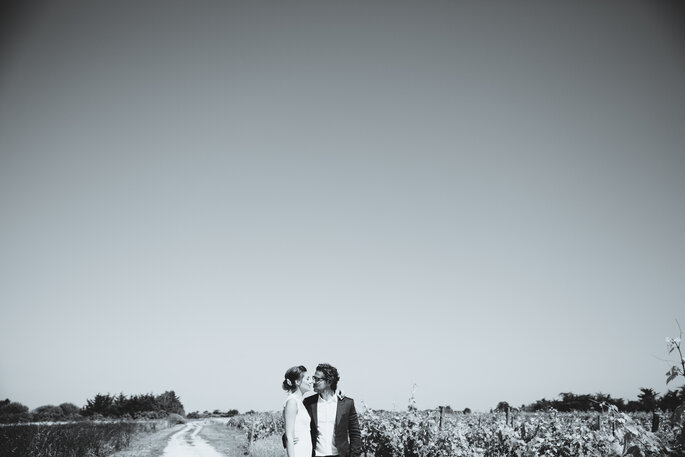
(187, 443)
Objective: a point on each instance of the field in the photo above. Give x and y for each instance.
(542, 434)
(149, 443)
(79, 439)
(427, 434)
(384, 434)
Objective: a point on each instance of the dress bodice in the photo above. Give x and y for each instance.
(303, 447)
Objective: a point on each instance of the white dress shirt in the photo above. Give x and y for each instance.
(325, 416)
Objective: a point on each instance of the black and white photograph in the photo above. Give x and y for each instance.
(342, 228)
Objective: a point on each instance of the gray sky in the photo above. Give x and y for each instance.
(485, 200)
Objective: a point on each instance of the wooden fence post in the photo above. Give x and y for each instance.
(251, 437)
(442, 409)
(655, 422)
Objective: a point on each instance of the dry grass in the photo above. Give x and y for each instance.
(73, 439)
(226, 440)
(233, 443)
(149, 444)
(271, 446)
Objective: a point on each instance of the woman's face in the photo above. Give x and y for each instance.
(305, 382)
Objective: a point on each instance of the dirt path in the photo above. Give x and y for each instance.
(187, 443)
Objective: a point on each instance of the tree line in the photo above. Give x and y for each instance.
(145, 406)
(647, 400)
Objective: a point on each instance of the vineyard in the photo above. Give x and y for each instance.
(428, 433)
(603, 430)
(550, 433)
(434, 433)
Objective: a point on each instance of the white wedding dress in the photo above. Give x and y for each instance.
(303, 447)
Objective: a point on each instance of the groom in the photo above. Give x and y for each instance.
(334, 423)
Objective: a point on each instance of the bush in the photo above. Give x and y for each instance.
(70, 409)
(175, 419)
(12, 412)
(13, 408)
(150, 415)
(48, 413)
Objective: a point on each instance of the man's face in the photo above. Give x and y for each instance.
(320, 384)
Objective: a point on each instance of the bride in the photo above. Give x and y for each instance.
(298, 439)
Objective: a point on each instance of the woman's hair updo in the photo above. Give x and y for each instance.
(293, 375)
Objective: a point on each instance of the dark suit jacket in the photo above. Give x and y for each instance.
(347, 438)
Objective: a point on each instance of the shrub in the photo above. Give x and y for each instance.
(175, 419)
(70, 409)
(48, 413)
(11, 412)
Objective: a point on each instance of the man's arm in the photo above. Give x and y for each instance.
(312, 426)
(354, 432)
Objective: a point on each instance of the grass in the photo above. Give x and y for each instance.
(149, 443)
(233, 442)
(226, 440)
(126, 439)
(71, 439)
(271, 446)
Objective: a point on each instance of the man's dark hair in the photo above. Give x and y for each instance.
(330, 374)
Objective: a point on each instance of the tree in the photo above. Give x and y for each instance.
(100, 404)
(540, 405)
(170, 402)
(141, 403)
(11, 412)
(69, 409)
(48, 413)
(572, 402)
(120, 405)
(146, 405)
(633, 406)
(502, 406)
(647, 399)
(672, 399)
(13, 408)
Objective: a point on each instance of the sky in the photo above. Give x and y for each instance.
(481, 199)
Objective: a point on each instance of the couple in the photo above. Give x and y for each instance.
(319, 425)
